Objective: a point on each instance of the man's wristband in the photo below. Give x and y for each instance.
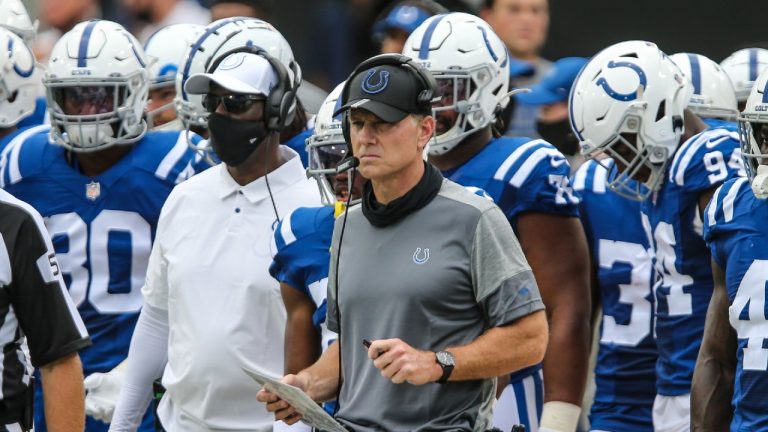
(559, 417)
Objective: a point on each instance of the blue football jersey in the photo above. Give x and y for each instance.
(299, 144)
(736, 230)
(520, 175)
(38, 116)
(301, 257)
(682, 260)
(625, 371)
(25, 131)
(102, 229)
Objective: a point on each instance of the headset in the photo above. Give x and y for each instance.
(424, 100)
(280, 98)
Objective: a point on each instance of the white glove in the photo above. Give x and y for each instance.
(101, 393)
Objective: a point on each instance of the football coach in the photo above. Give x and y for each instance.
(428, 287)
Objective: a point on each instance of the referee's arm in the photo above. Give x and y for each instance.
(51, 323)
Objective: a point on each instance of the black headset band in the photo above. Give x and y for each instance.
(280, 97)
(424, 76)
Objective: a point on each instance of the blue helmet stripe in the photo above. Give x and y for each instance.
(693, 59)
(488, 44)
(752, 64)
(424, 47)
(82, 53)
(196, 46)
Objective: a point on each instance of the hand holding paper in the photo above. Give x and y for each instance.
(287, 399)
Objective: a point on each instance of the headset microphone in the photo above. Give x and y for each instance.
(347, 164)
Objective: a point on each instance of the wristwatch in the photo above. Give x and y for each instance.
(447, 362)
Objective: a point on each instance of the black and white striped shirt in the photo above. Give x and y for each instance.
(35, 307)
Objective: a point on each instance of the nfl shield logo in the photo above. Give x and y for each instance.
(92, 190)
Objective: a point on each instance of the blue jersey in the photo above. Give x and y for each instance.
(736, 230)
(520, 175)
(102, 229)
(25, 131)
(299, 144)
(301, 257)
(625, 371)
(37, 117)
(673, 223)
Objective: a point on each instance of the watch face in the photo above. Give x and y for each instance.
(445, 358)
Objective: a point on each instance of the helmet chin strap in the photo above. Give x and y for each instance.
(760, 182)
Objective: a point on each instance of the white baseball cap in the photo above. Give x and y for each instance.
(240, 72)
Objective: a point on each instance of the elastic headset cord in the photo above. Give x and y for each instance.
(336, 292)
(269, 189)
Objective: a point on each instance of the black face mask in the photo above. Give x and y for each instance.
(234, 140)
(560, 135)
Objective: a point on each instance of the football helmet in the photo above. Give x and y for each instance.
(14, 17)
(326, 147)
(19, 78)
(96, 85)
(713, 94)
(628, 103)
(753, 135)
(743, 67)
(218, 38)
(166, 46)
(471, 66)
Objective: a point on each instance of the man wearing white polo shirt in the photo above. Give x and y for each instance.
(211, 306)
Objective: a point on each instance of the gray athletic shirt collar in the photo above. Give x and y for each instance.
(438, 278)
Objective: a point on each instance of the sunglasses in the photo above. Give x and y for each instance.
(233, 103)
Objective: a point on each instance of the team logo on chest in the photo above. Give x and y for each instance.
(421, 256)
(93, 190)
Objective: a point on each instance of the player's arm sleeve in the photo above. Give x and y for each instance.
(503, 281)
(146, 360)
(285, 255)
(40, 300)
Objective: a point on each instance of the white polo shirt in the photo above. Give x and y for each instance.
(209, 269)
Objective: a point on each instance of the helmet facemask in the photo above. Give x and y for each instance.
(325, 152)
(460, 111)
(753, 136)
(638, 170)
(92, 114)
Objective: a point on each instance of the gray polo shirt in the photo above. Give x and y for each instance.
(439, 277)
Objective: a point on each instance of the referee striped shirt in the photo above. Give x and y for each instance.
(35, 307)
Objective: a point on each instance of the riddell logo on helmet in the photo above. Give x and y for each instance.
(761, 108)
(81, 72)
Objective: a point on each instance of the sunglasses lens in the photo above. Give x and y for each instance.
(233, 103)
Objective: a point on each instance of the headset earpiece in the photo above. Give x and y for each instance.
(280, 98)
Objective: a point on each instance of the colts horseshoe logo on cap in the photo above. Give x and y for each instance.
(373, 88)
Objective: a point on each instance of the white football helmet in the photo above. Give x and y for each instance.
(630, 89)
(471, 66)
(713, 94)
(743, 67)
(14, 17)
(326, 146)
(96, 85)
(166, 46)
(19, 78)
(216, 39)
(753, 134)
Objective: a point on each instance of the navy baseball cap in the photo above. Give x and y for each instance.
(556, 84)
(403, 17)
(389, 91)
